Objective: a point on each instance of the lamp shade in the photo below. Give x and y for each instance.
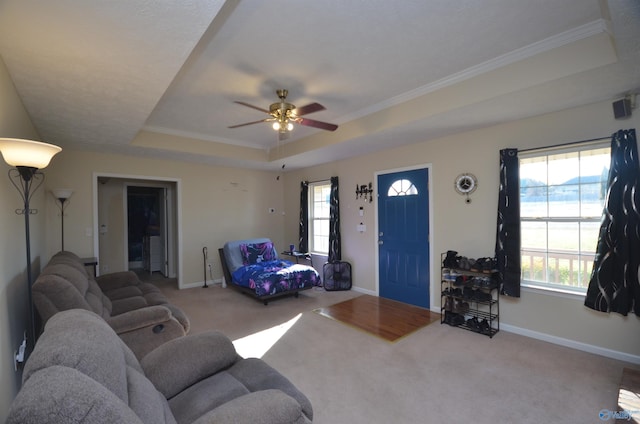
(29, 153)
(62, 193)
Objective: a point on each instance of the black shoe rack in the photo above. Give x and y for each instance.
(469, 299)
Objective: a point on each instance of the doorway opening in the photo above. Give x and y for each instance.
(146, 229)
(138, 226)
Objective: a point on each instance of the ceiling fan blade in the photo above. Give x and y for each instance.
(249, 123)
(310, 108)
(251, 106)
(317, 124)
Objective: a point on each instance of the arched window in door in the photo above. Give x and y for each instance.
(402, 188)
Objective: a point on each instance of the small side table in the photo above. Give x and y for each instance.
(298, 255)
(91, 262)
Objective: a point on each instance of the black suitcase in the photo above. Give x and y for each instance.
(337, 275)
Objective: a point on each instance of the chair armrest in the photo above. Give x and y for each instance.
(265, 407)
(139, 318)
(182, 362)
(116, 280)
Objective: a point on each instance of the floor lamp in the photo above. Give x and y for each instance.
(62, 195)
(27, 157)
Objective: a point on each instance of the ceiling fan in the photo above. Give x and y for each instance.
(284, 115)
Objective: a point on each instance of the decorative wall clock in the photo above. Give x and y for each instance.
(465, 184)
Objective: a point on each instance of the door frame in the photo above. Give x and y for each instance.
(432, 268)
(176, 219)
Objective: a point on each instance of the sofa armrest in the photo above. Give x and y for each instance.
(182, 362)
(265, 407)
(116, 280)
(139, 318)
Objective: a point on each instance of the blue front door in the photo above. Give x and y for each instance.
(403, 236)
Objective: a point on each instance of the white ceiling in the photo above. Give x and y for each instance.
(159, 77)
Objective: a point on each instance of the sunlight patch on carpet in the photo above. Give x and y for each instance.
(258, 344)
(384, 318)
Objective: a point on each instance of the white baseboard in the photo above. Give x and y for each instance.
(201, 284)
(609, 353)
(365, 291)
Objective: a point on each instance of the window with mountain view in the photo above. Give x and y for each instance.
(561, 201)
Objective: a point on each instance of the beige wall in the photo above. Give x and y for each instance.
(215, 205)
(15, 123)
(470, 228)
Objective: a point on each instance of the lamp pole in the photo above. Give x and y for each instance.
(26, 176)
(62, 195)
(27, 157)
(62, 200)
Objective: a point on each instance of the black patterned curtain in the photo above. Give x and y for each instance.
(335, 251)
(508, 229)
(614, 286)
(303, 231)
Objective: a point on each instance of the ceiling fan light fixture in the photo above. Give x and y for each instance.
(284, 114)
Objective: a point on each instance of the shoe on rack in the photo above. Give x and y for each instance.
(461, 280)
(485, 327)
(488, 265)
(460, 307)
(464, 263)
(448, 304)
(476, 266)
(450, 260)
(473, 324)
(457, 319)
(447, 317)
(452, 275)
(468, 293)
(482, 296)
(445, 274)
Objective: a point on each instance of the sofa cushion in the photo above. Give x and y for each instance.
(60, 287)
(205, 396)
(257, 375)
(264, 407)
(95, 350)
(63, 395)
(200, 357)
(71, 259)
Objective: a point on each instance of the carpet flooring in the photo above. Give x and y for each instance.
(384, 318)
(438, 374)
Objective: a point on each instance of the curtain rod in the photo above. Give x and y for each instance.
(318, 181)
(565, 144)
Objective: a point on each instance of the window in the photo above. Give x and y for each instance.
(561, 201)
(319, 194)
(402, 188)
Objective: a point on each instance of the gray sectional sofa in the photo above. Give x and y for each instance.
(138, 312)
(81, 372)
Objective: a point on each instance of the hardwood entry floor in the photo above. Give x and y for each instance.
(385, 318)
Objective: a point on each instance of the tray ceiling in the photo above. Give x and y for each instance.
(159, 78)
